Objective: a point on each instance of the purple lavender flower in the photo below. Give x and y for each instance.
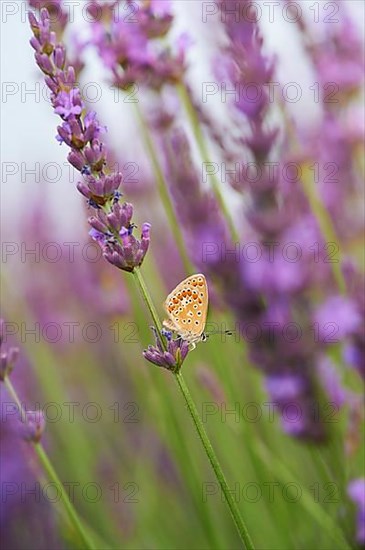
(280, 290)
(331, 381)
(33, 426)
(17, 465)
(293, 394)
(7, 358)
(356, 491)
(336, 53)
(196, 207)
(341, 313)
(154, 17)
(58, 16)
(67, 104)
(32, 422)
(173, 357)
(129, 49)
(80, 131)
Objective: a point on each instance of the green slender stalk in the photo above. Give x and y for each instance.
(319, 211)
(163, 192)
(324, 221)
(319, 514)
(237, 518)
(148, 301)
(204, 438)
(195, 124)
(52, 475)
(202, 514)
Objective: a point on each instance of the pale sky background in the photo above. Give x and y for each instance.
(28, 123)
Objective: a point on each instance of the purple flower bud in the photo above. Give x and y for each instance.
(7, 360)
(145, 240)
(84, 189)
(92, 127)
(44, 63)
(51, 84)
(45, 16)
(97, 224)
(170, 359)
(34, 42)
(70, 77)
(33, 22)
(95, 156)
(126, 214)
(76, 159)
(114, 222)
(146, 230)
(33, 426)
(59, 56)
(111, 184)
(97, 186)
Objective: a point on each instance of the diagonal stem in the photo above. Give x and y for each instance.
(204, 438)
(324, 221)
(51, 473)
(233, 508)
(149, 303)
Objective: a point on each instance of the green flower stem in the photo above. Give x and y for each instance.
(324, 222)
(195, 124)
(52, 475)
(149, 303)
(240, 525)
(163, 192)
(312, 194)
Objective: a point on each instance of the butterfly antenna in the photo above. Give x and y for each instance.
(227, 332)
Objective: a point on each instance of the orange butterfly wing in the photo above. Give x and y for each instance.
(187, 307)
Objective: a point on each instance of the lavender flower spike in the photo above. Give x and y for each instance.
(114, 233)
(173, 358)
(112, 225)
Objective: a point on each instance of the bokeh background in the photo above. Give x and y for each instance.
(117, 431)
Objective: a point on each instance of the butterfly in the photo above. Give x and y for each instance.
(186, 307)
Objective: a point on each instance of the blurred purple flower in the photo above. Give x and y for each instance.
(196, 207)
(331, 381)
(293, 394)
(339, 312)
(356, 491)
(130, 49)
(279, 289)
(58, 15)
